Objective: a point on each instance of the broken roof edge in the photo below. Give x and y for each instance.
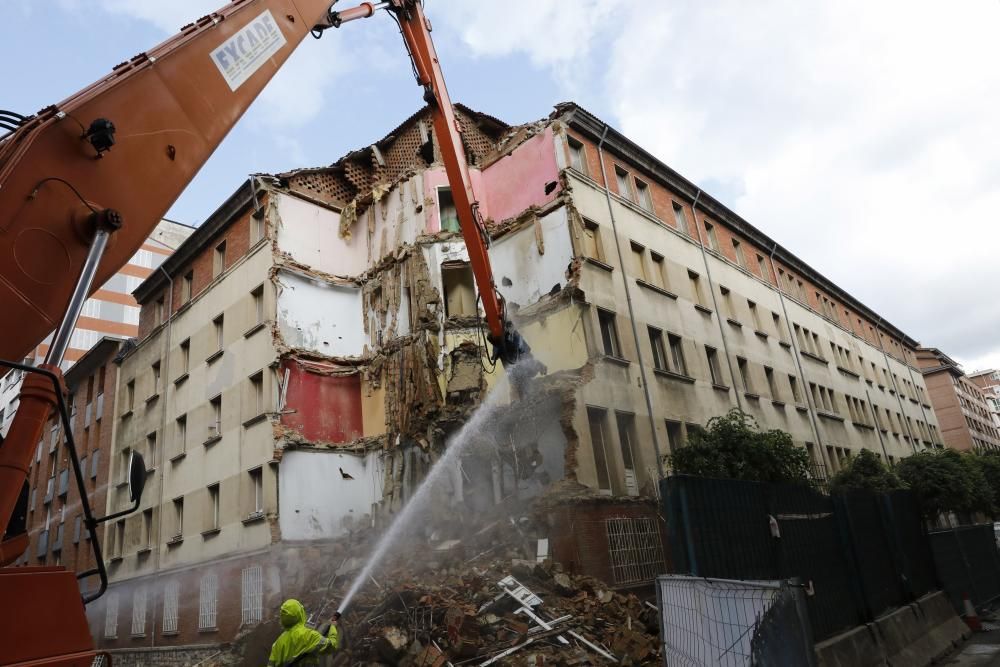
(593, 127)
(497, 126)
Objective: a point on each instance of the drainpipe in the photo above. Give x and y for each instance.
(798, 362)
(715, 301)
(892, 378)
(628, 300)
(162, 445)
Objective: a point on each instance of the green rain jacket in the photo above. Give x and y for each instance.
(299, 645)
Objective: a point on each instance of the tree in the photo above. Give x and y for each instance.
(946, 481)
(989, 464)
(866, 471)
(733, 447)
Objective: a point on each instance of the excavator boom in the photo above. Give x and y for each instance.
(82, 185)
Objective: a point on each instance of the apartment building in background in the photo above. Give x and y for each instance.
(110, 311)
(55, 524)
(963, 408)
(989, 383)
(305, 355)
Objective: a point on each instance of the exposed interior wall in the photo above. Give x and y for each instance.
(322, 402)
(325, 494)
(320, 316)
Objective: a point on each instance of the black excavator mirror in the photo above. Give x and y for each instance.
(136, 477)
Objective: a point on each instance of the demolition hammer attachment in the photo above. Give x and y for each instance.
(515, 354)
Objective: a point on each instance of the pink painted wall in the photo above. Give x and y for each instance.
(508, 186)
(327, 408)
(517, 181)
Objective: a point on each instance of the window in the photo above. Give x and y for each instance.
(257, 394)
(762, 267)
(674, 437)
(215, 417)
(626, 435)
(597, 418)
(592, 246)
(459, 289)
(257, 302)
(178, 517)
(252, 595)
(218, 325)
(738, 250)
(634, 549)
(111, 616)
(257, 484)
(609, 334)
(95, 458)
(659, 352)
(577, 156)
(645, 198)
(624, 184)
(677, 364)
(713, 241)
(119, 538)
(256, 226)
(187, 284)
(155, 368)
(658, 275)
(151, 450)
(185, 348)
(793, 384)
(727, 302)
(639, 261)
(161, 311)
(147, 528)
(219, 260)
(125, 457)
(213, 507)
(772, 386)
(171, 592)
(745, 374)
(130, 396)
(696, 296)
(680, 219)
(207, 602)
(180, 434)
(448, 211)
(754, 316)
(713, 365)
(77, 525)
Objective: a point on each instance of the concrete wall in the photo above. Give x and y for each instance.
(310, 234)
(325, 494)
(534, 261)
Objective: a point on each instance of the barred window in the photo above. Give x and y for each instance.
(170, 595)
(207, 602)
(634, 548)
(252, 597)
(111, 616)
(139, 612)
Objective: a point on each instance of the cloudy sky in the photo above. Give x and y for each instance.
(861, 135)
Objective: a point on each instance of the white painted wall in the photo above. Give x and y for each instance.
(311, 235)
(532, 275)
(316, 501)
(317, 315)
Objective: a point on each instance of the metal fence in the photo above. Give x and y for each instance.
(967, 563)
(858, 555)
(732, 623)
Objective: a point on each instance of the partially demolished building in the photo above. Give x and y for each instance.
(305, 355)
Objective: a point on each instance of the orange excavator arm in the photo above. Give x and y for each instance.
(84, 182)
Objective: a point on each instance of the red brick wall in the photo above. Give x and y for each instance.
(89, 439)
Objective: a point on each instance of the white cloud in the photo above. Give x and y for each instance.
(859, 135)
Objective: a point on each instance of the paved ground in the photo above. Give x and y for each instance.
(982, 650)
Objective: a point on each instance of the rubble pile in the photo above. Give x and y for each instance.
(478, 601)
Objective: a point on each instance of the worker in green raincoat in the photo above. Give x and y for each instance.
(299, 645)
